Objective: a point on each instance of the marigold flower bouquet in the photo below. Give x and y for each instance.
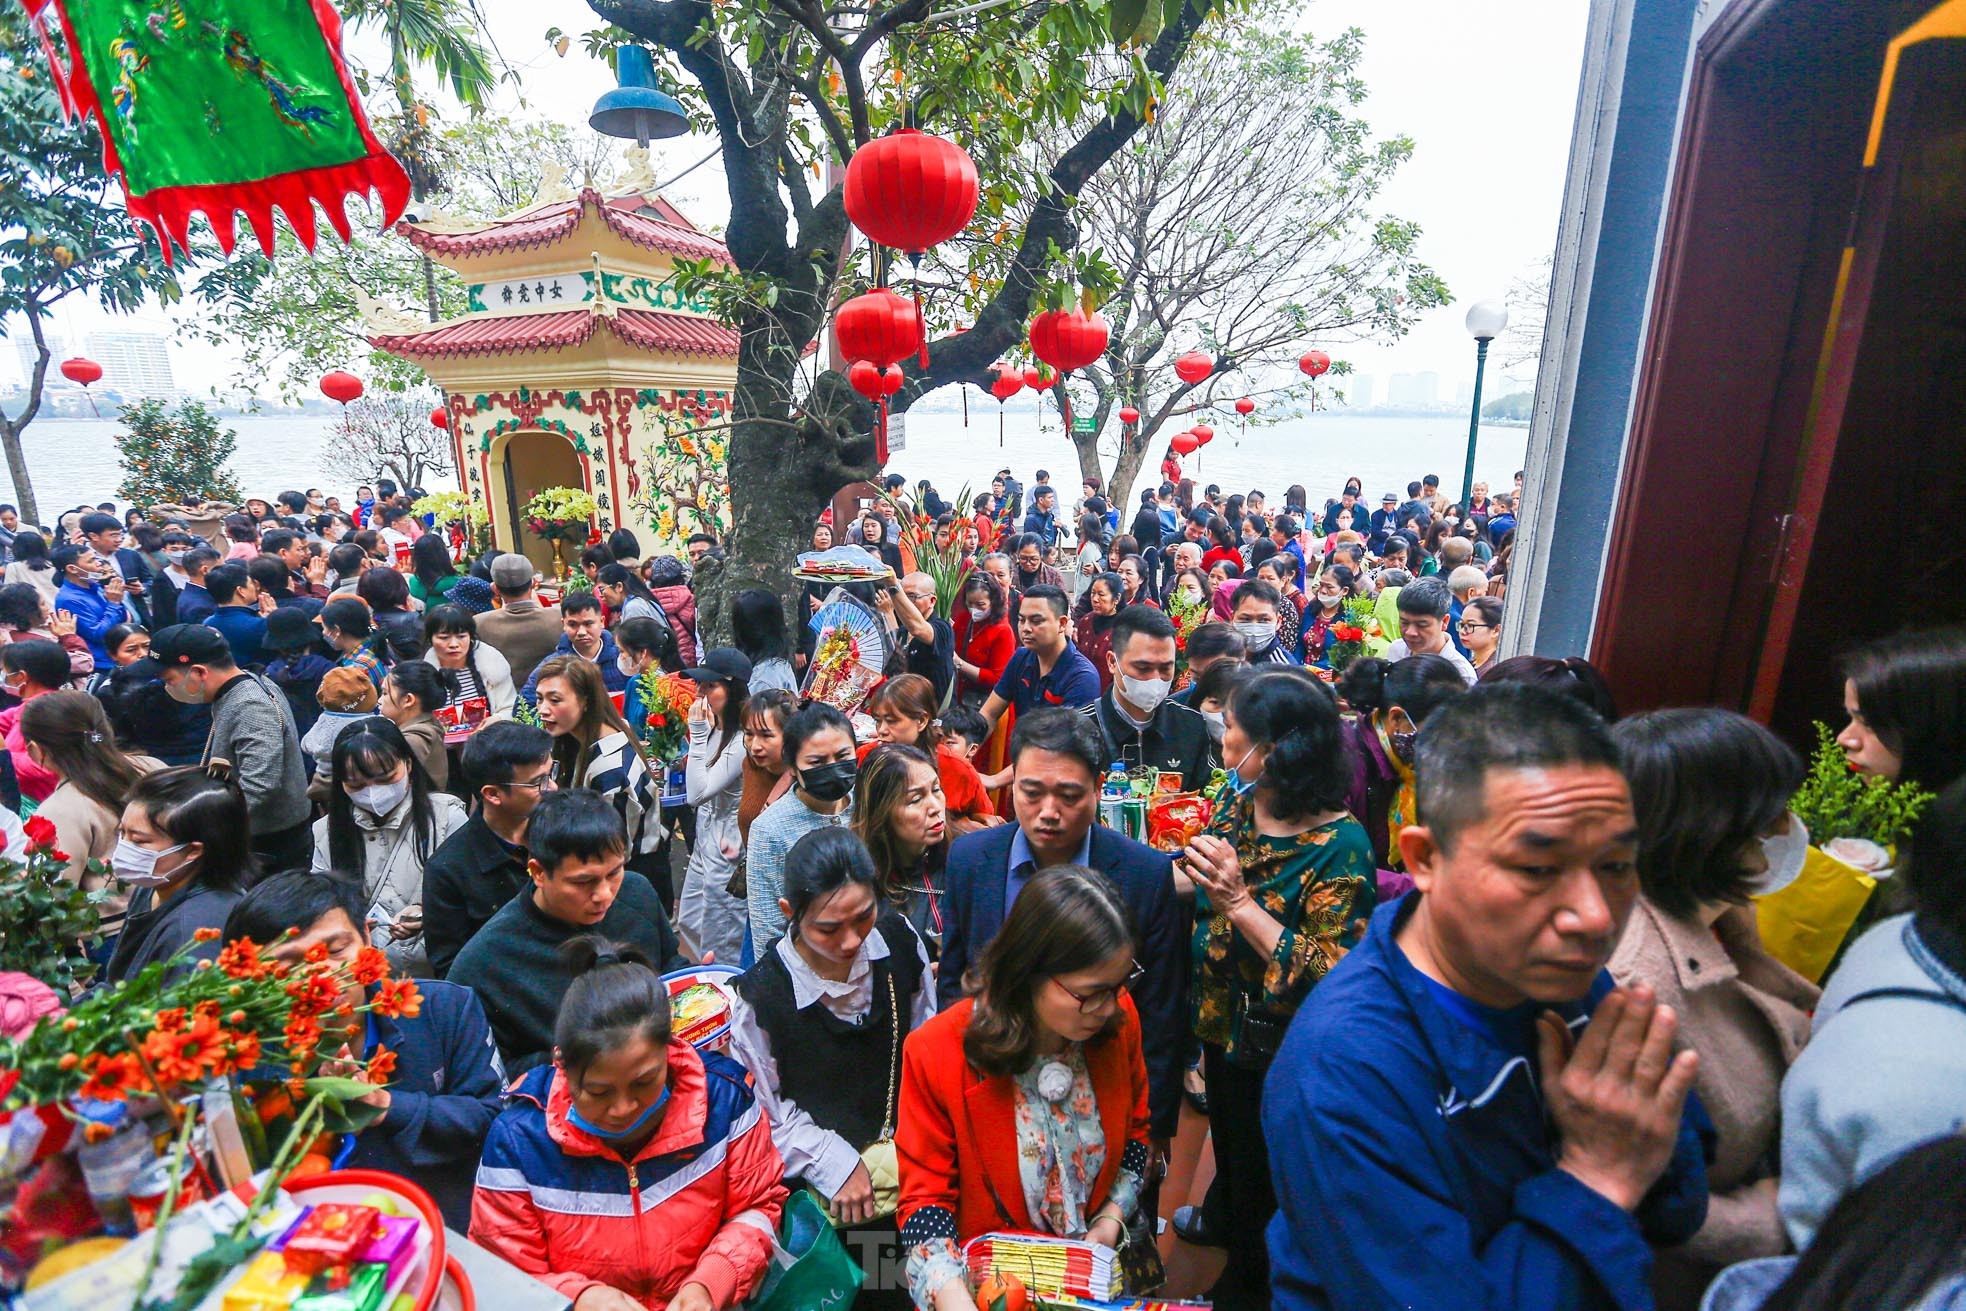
(666, 699)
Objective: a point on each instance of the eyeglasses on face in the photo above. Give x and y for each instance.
(1468, 627)
(1099, 998)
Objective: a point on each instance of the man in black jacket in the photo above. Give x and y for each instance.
(482, 866)
(1137, 722)
(578, 861)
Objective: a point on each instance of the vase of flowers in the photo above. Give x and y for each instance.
(560, 515)
(463, 524)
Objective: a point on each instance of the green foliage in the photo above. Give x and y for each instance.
(1516, 405)
(174, 457)
(43, 917)
(1837, 802)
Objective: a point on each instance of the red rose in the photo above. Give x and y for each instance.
(40, 832)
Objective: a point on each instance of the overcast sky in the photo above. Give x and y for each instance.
(1487, 92)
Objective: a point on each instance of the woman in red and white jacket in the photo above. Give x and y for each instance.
(631, 1174)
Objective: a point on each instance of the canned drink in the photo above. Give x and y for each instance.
(1112, 813)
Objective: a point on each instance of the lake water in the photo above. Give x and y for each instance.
(74, 461)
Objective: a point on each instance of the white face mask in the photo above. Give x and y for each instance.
(1145, 693)
(978, 613)
(380, 798)
(626, 664)
(1257, 634)
(1216, 726)
(1785, 852)
(137, 866)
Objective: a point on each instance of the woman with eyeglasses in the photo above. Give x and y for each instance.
(1284, 883)
(1481, 631)
(1024, 1106)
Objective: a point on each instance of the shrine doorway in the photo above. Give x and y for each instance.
(530, 462)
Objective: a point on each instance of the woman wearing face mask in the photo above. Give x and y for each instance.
(841, 990)
(1280, 572)
(1094, 629)
(816, 743)
(903, 711)
(984, 640)
(411, 696)
(68, 735)
(1392, 701)
(383, 822)
(1327, 610)
(1024, 1106)
(1284, 884)
(183, 853)
(1710, 789)
(680, 1187)
(706, 912)
(1210, 696)
(478, 671)
(899, 812)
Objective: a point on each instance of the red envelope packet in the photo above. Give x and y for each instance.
(332, 1234)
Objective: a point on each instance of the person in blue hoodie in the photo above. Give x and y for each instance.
(582, 634)
(439, 1102)
(1467, 1112)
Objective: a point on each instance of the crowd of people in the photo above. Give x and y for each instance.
(1462, 974)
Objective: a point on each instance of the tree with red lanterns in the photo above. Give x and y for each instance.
(1036, 99)
(1242, 240)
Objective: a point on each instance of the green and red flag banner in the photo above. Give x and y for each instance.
(221, 106)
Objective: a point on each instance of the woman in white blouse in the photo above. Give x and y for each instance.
(840, 991)
(713, 781)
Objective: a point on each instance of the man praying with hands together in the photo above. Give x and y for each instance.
(1467, 1113)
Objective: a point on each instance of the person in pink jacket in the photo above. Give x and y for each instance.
(632, 1173)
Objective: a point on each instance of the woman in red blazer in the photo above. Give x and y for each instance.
(1024, 1106)
(984, 642)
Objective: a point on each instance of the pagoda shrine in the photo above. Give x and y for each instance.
(578, 363)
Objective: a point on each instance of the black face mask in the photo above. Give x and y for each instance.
(829, 782)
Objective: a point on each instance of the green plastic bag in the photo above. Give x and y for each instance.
(811, 1270)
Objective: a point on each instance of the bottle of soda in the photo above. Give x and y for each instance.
(1112, 797)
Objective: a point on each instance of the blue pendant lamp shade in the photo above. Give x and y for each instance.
(637, 108)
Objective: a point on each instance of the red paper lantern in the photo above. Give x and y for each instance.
(1193, 367)
(1129, 415)
(1314, 362)
(339, 386)
(1203, 433)
(440, 418)
(80, 370)
(1184, 443)
(910, 190)
(1038, 379)
(1245, 407)
(865, 378)
(1007, 384)
(1069, 339)
(891, 380)
(879, 326)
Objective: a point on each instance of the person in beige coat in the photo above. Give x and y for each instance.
(1711, 790)
(521, 629)
(68, 735)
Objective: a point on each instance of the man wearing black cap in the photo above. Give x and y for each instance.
(706, 913)
(252, 732)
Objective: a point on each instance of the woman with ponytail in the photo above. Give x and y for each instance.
(632, 1171)
(1284, 885)
(1392, 700)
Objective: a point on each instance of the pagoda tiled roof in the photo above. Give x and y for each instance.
(678, 334)
(644, 226)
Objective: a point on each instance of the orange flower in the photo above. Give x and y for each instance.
(112, 1078)
(184, 1055)
(303, 1035)
(381, 1066)
(370, 966)
(240, 959)
(245, 1050)
(170, 1021)
(398, 998)
(205, 935)
(316, 953)
(208, 1007)
(314, 993)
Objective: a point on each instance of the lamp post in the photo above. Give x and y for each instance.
(1486, 320)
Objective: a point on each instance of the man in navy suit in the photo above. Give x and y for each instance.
(104, 533)
(1058, 761)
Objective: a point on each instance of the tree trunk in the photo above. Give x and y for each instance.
(1133, 454)
(12, 428)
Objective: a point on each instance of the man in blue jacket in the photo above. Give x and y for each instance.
(1058, 761)
(583, 634)
(439, 1102)
(1466, 1113)
(91, 593)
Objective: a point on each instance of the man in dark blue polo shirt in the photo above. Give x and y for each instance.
(1048, 670)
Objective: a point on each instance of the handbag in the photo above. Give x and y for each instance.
(882, 1159)
(810, 1268)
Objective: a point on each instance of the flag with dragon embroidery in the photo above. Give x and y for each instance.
(221, 106)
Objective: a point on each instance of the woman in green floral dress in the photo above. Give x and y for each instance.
(1284, 883)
